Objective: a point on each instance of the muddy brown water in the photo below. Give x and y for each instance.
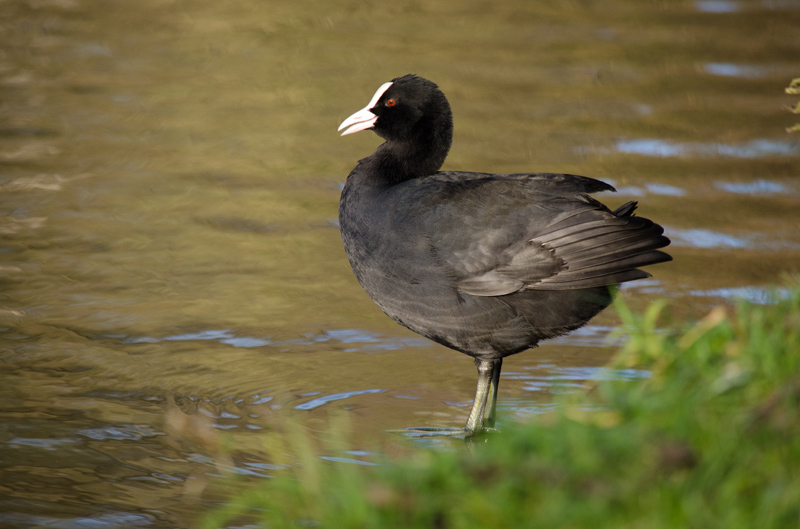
(172, 274)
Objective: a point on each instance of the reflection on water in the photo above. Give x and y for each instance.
(129, 431)
(551, 378)
(320, 401)
(756, 187)
(701, 238)
(366, 340)
(727, 69)
(347, 460)
(708, 239)
(717, 6)
(101, 521)
(654, 189)
(225, 336)
(359, 340)
(665, 190)
(758, 295)
(732, 6)
(587, 336)
(752, 149)
(173, 282)
(565, 379)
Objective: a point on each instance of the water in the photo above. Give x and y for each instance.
(172, 276)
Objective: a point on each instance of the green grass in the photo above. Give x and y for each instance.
(710, 439)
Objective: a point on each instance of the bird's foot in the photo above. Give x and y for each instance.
(431, 431)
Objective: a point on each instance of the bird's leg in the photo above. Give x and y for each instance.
(488, 378)
(488, 422)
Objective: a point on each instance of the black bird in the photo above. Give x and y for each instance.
(486, 264)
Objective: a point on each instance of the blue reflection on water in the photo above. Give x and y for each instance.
(347, 460)
(316, 403)
(225, 336)
(652, 188)
(631, 191)
(556, 374)
(365, 340)
(666, 190)
(732, 6)
(716, 6)
(566, 379)
(586, 336)
(757, 187)
(665, 148)
(701, 238)
(111, 520)
(119, 432)
(649, 147)
(370, 340)
(46, 444)
(760, 295)
(728, 69)
(708, 239)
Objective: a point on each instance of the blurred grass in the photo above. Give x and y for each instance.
(794, 88)
(710, 439)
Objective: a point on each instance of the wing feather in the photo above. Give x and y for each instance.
(582, 244)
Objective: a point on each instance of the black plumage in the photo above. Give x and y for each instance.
(486, 264)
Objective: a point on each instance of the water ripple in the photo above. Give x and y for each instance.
(717, 6)
(757, 148)
(579, 374)
(365, 340)
(102, 521)
(702, 238)
(347, 460)
(316, 403)
(759, 295)
(756, 187)
(119, 433)
(727, 69)
(733, 6)
(586, 336)
(225, 336)
(709, 239)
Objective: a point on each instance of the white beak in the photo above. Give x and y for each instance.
(364, 119)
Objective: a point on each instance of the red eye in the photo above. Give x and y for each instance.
(391, 102)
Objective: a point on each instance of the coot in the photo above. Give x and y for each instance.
(486, 264)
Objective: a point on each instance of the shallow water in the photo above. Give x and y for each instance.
(172, 275)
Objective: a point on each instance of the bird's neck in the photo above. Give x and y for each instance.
(421, 155)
